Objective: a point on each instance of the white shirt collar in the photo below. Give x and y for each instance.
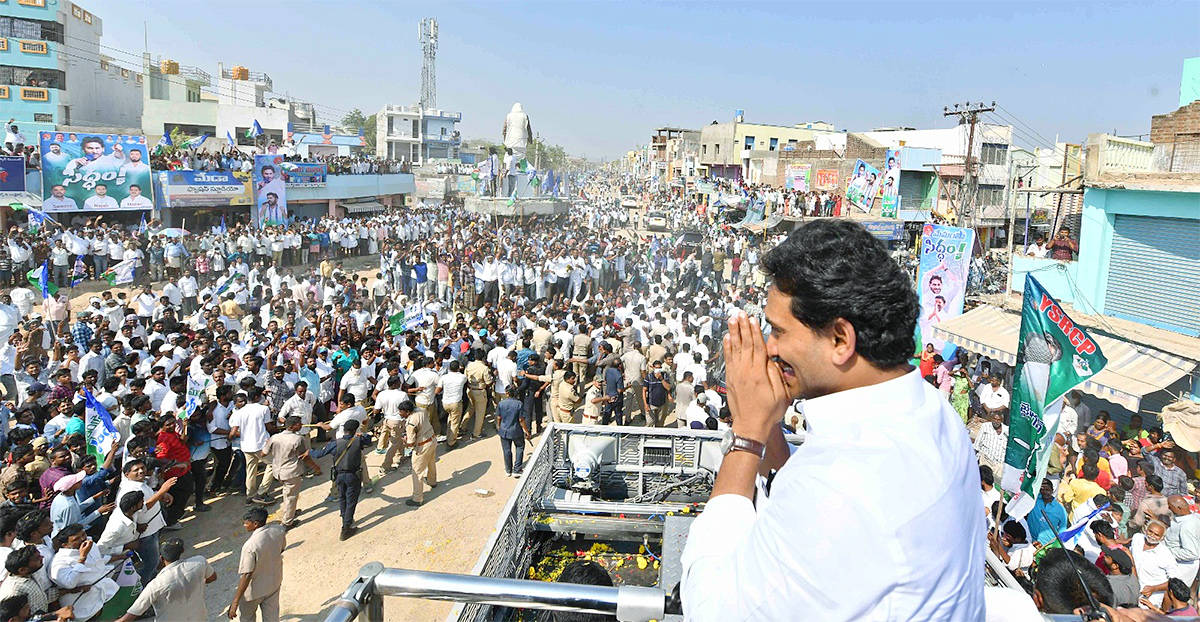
(845, 412)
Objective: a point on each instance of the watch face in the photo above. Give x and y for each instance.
(727, 442)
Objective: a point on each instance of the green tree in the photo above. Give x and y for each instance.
(356, 120)
(546, 156)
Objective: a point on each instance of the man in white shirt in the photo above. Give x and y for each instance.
(135, 200)
(451, 386)
(885, 456)
(100, 200)
(993, 397)
(425, 381)
(58, 201)
(248, 424)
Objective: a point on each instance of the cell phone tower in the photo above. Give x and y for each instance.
(427, 33)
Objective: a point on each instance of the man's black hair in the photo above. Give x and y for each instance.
(256, 515)
(1015, 531)
(130, 500)
(10, 608)
(1178, 589)
(1102, 528)
(1153, 481)
(836, 269)
(19, 558)
(1060, 588)
(986, 475)
(583, 572)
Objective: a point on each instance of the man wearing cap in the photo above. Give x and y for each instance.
(177, 592)
(65, 509)
(348, 451)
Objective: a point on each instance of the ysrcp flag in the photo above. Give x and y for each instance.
(98, 427)
(1054, 355)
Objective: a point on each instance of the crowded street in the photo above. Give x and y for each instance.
(592, 341)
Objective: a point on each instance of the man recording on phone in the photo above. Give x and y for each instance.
(877, 515)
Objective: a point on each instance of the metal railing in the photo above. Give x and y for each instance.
(363, 599)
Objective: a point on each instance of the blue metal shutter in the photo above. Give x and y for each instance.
(1153, 272)
(912, 185)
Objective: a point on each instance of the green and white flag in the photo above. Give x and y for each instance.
(121, 273)
(1053, 357)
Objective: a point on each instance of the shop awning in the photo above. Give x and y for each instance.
(365, 206)
(1132, 371)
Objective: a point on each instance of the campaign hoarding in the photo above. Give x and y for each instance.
(797, 177)
(270, 192)
(864, 183)
(12, 176)
(884, 229)
(304, 175)
(891, 184)
(941, 280)
(205, 189)
(95, 172)
(826, 179)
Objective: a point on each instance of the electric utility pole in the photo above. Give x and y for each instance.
(968, 113)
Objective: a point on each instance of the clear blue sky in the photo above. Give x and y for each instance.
(597, 77)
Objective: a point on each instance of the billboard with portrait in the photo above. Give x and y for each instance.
(890, 189)
(942, 280)
(270, 192)
(798, 177)
(12, 177)
(864, 183)
(95, 172)
(304, 175)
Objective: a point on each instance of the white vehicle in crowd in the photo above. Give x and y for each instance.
(629, 202)
(656, 221)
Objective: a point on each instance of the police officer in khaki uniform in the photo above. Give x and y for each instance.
(286, 450)
(581, 346)
(479, 380)
(418, 435)
(568, 400)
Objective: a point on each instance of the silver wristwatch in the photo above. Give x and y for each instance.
(733, 442)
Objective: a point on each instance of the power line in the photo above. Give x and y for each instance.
(1026, 125)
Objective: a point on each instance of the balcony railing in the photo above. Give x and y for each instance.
(254, 76)
(195, 74)
(1111, 154)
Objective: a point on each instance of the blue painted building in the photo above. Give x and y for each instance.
(54, 73)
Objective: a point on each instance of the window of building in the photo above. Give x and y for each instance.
(40, 78)
(717, 147)
(193, 94)
(774, 144)
(704, 149)
(994, 153)
(416, 128)
(18, 28)
(991, 195)
(749, 143)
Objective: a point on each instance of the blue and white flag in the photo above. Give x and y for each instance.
(98, 427)
(255, 130)
(165, 141)
(1080, 526)
(229, 137)
(223, 228)
(142, 224)
(78, 271)
(40, 277)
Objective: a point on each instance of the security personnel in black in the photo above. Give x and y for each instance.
(345, 471)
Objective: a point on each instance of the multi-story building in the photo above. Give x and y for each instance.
(417, 135)
(731, 150)
(53, 73)
(192, 101)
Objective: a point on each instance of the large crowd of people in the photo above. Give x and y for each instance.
(243, 360)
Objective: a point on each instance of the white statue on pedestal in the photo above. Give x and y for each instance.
(517, 131)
